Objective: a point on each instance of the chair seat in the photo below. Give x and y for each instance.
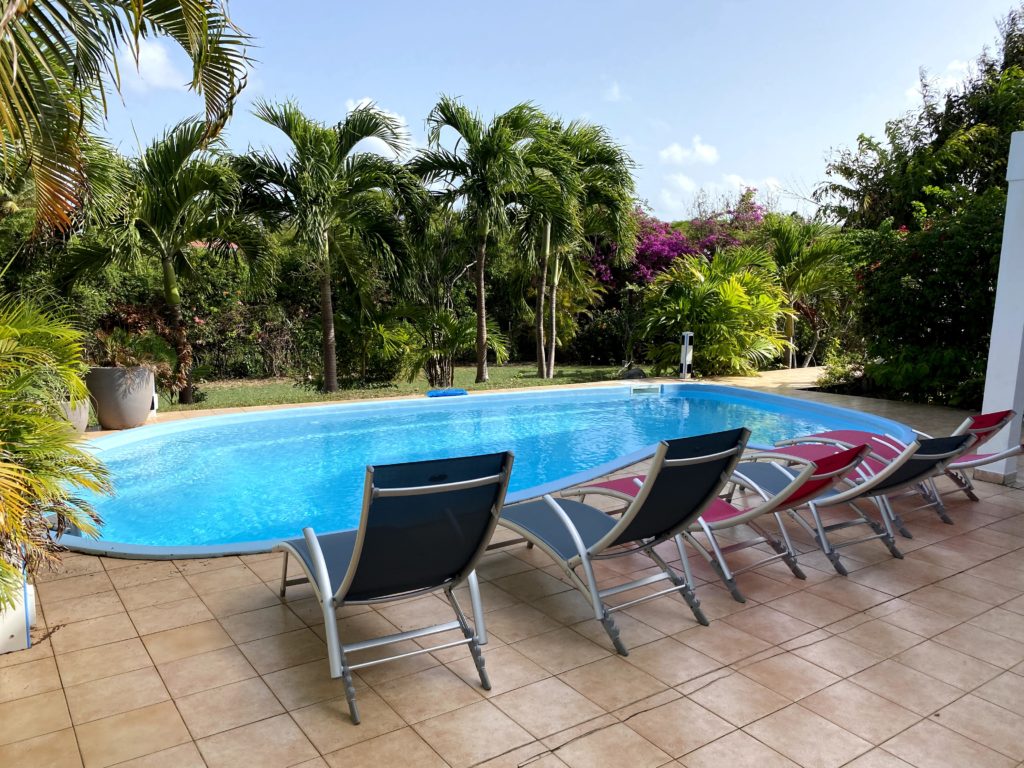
(624, 485)
(337, 549)
(537, 518)
(720, 510)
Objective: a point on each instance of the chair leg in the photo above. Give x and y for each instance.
(719, 564)
(823, 542)
(963, 482)
(336, 657)
(613, 634)
(887, 520)
(940, 508)
(685, 587)
(469, 634)
(284, 575)
(786, 548)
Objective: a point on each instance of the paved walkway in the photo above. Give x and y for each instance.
(915, 662)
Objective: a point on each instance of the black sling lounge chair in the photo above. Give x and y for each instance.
(686, 476)
(424, 526)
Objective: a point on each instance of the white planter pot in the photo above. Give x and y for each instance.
(13, 632)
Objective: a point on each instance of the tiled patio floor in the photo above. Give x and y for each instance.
(917, 662)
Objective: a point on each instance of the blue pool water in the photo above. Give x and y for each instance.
(263, 476)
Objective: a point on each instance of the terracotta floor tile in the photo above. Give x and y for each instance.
(560, 650)
(1005, 623)
(606, 748)
(28, 679)
(226, 707)
(811, 608)
(808, 739)
(381, 673)
(288, 649)
(736, 749)
(860, 711)
(328, 724)
(241, 600)
(946, 601)
(253, 625)
(102, 661)
(52, 750)
(33, 716)
(222, 579)
(427, 694)
(205, 670)
(494, 566)
(401, 747)
(507, 669)
(612, 682)
(518, 622)
(984, 645)
(81, 608)
(567, 607)
(921, 621)
(897, 577)
(768, 624)
(306, 684)
(92, 632)
(77, 586)
(738, 699)
(986, 723)
(180, 613)
(472, 734)
(761, 589)
(723, 642)
(880, 637)
(547, 707)
(113, 695)
(948, 665)
(839, 656)
(848, 593)
(274, 743)
(529, 586)
(196, 565)
(878, 758)
(156, 593)
(131, 734)
(182, 756)
(929, 745)
(671, 662)
(679, 727)
(186, 641)
(40, 649)
(790, 675)
(633, 632)
(907, 687)
(1007, 691)
(420, 612)
(142, 573)
(982, 590)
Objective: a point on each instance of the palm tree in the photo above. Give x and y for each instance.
(813, 266)
(178, 198)
(43, 467)
(55, 58)
(338, 202)
(482, 172)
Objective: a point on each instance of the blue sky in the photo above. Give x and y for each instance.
(711, 95)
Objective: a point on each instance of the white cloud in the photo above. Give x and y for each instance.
(680, 191)
(955, 73)
(683, 182)
(613, 92)
(697, 152)
(154, 72)
(374, 144)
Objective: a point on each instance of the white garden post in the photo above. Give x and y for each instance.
(1004, 377)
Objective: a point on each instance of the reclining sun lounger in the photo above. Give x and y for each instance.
(685, 478)
(424, 526)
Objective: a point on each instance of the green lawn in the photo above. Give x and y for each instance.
(246, 392)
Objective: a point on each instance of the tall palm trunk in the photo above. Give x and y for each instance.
(542, 368)
(182, 348)
(327, 325)
(481, 309)
(554, 321)
(791, 335)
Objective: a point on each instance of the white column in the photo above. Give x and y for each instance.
(1004, 378)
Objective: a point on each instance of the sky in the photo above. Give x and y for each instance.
(711, 95)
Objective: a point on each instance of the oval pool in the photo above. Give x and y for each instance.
(238, 483)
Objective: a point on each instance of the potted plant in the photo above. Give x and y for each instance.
(123, 384)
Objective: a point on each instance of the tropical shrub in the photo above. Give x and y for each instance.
(43, 466)
(733, 305)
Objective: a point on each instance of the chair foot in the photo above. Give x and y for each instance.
(730, 583)
(694, 603)
(893, 550)
(970, 494)
(905, 533)
(794, 567)
(613, 633)
(945, 518)
(350, 696)
(833, 557)
(478, 660)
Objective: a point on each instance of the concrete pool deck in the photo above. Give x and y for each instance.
(918, 662)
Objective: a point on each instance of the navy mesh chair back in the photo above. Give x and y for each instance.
(930, 453)
(693, 473)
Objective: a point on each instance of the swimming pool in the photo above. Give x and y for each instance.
(238, 483)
